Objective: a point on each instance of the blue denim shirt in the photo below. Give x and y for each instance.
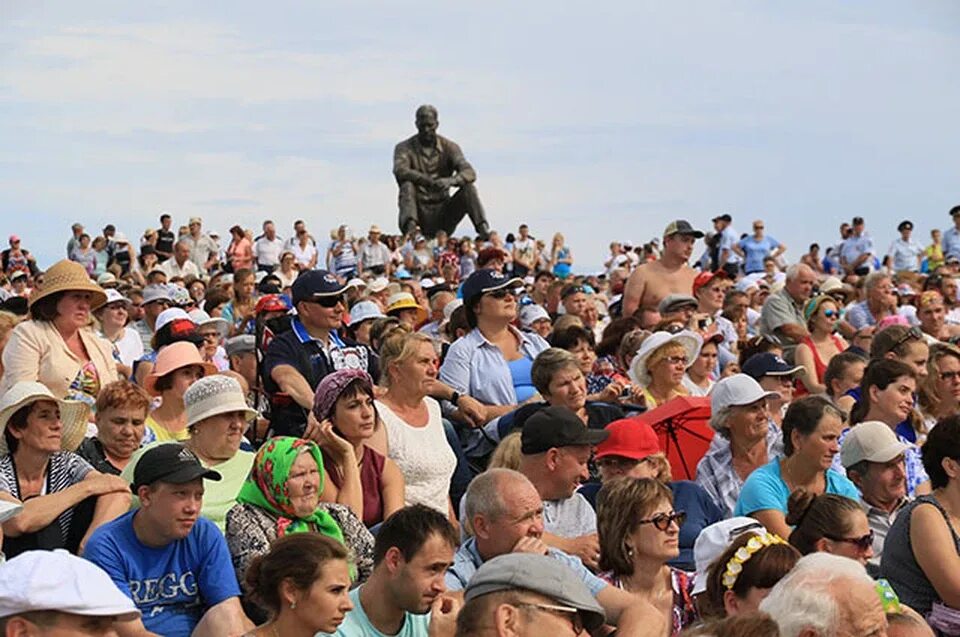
(476, 367)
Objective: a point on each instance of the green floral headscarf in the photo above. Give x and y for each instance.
(266, 487)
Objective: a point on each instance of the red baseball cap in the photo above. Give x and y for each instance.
(629, 438)
(704, 278)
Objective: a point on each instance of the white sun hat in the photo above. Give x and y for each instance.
(690, 341)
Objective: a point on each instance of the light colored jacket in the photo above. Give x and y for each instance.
(37, 352)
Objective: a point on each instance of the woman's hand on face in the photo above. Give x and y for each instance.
(338, 446)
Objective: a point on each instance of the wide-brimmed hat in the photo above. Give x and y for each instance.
(74, 414)
(690, 341)
(173, 357)
(68, 276)
(214, 395)
(405, 301)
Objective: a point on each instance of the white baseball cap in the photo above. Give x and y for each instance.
(530, 314)
(168, 315)
(873, 441)
(737, 390)
(714, 540)
(57, 580)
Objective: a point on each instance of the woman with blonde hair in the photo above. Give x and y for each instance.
(561, 258)
(815, 350)
(940, 390)
(662, 362)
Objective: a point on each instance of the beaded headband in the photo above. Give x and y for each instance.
(744, 553)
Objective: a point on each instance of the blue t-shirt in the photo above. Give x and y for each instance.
(766, 490)
(357, 624)
(172, 586)
(756, 251)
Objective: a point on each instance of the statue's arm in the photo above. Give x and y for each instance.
(403, 168)
(464, 172)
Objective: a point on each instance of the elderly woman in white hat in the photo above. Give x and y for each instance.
(57, 346)
(217, 418)
(64, 498)
(362, 316)
(113, 315)
(660, 364)
(212, 330)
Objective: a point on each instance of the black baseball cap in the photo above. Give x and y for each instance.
(314, 284)
(557, 426)
(682, 227)
(724, 217)
(169, 462)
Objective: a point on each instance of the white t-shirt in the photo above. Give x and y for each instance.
(129, 346)
(304, 255)
(267, 252)
(424, 456)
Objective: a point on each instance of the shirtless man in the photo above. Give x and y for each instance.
(652, 282)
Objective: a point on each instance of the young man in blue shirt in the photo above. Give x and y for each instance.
(172, 563)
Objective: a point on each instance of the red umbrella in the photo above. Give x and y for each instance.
(682, 425)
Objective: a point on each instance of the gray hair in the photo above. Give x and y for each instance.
(807, 597)
(718, 420)
(547, 364)
(874, 279)
(796, 270)
(484, 494)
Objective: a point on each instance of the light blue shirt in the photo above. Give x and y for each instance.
(467, 560)
(476, 367)
(904, 255)
(756, 252)
(951, 243)
(357, 624)
(854, 247)
(765, 490)
(728, 239)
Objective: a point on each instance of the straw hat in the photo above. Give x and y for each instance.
(68, 276)
(215, 395)
(74, 414)
(689, 340)
(173, 357)
(405, 301)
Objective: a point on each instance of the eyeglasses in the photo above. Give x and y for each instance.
(949, 375)
(327, 301)
(862, 543)
(618, 462)
(676, 360)
(502, 293)
(758, 227)
(567, 611)
(912, 334)
(662, 521)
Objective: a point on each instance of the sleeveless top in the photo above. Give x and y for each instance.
(371, 482)
(819, 366)
(899, 566)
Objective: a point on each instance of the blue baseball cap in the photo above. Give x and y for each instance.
(315, 284)
(768, 364)
(486, 280)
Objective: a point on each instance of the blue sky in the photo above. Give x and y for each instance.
(602, 121)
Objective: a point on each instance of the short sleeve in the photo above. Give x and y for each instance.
(217, 579)
(844, 486)
(762, 491)
(103, 551)
(593, 583)
(279, 352)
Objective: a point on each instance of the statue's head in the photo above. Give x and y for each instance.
(426, 120)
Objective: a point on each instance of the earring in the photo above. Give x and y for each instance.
(293, 605)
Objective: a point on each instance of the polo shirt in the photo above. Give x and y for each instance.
(880, 521)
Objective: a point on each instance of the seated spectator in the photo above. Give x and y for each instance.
(829, 523)
(747, 439)
(64, 499)
(579, 342)
(213, 331)
(178, 366)
(362, 316)
(280, 497)
(239, 311)
(555, 448)
(493, 362)
(416, 441)
(639, 532)
(55, 593)
(506, 515)
(844, 372)
(661, 363)
(285, 582)
(874, 460)
(826, 595)
(527, 595)
(534, 318)
(403, 306)
(815, 350)
(759, 345)
(775, 375)
(922, 552)
(633, 451)
(372, 486)
(405, 592)
(57, 346)
(886, 394)
(165, 539)
(742, 576)
(940, 390)
(811, 431)
(121, 416)
(113, 315)
(217, 416)
(698, 379)
(173, 326)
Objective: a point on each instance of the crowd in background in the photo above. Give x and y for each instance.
(411, 435)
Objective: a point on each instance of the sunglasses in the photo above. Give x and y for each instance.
(502, 293)
(574, 289)
(327, 301)
(831, 313)
(862, 543)
(912, 334)
(662, 521)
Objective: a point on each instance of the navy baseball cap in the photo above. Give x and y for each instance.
(315, 284)
(768, 364)
(485, 280)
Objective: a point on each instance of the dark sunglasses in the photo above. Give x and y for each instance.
(912, 334)
(662, 521)
(831, 313)
(326, 301)
(573, 289)
(862, 543)
(502, 293)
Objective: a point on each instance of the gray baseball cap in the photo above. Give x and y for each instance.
(539, 574)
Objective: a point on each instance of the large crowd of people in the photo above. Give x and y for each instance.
(437, 436)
